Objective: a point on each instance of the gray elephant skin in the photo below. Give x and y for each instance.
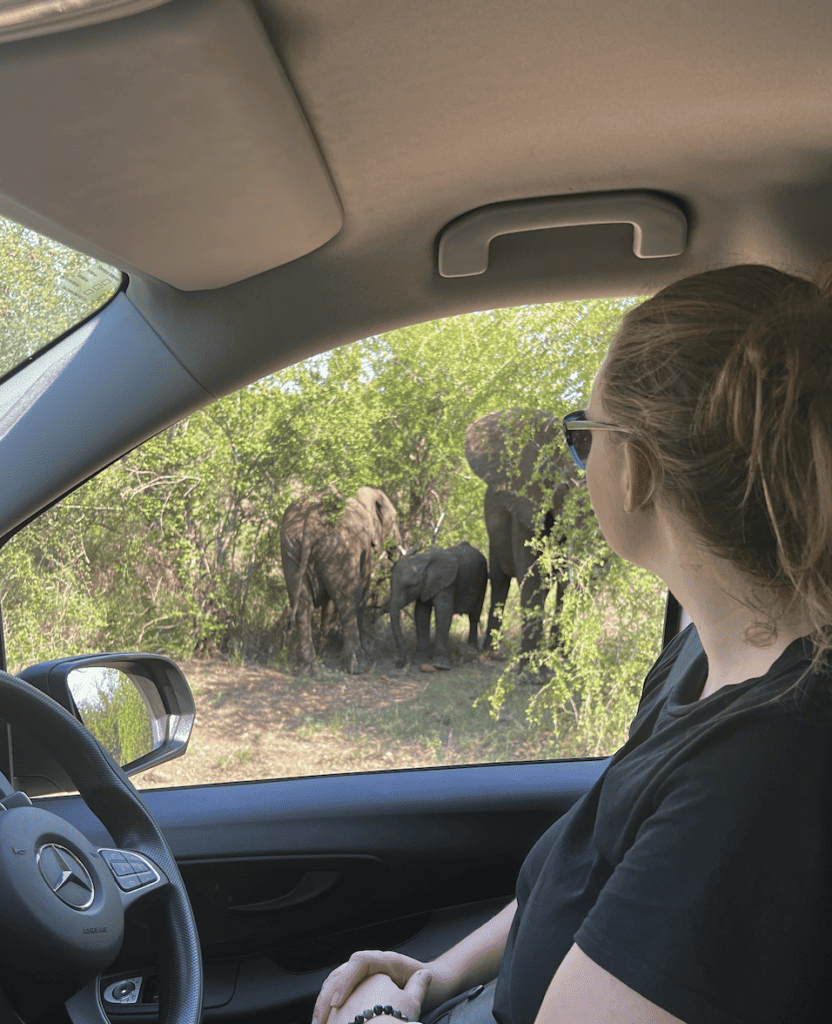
(522, 457)
(328, 558)
(447, 581)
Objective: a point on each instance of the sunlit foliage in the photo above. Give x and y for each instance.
(175, 548)
(45, 289)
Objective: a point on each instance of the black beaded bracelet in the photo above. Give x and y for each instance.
(378, 1011)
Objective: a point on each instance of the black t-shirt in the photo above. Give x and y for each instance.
(698, 869)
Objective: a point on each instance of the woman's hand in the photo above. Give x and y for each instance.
(472, 961)
(344, 979)
(379, 989)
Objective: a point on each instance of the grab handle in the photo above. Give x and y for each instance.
(311, 885)
(659, 226)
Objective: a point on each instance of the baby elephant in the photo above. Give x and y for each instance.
(451, 581)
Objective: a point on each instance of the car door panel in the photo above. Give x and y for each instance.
(287, 878)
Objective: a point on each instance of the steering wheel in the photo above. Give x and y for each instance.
(64, 898)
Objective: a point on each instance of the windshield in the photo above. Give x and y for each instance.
(46, 289)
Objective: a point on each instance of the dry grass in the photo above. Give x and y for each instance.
(257, 722)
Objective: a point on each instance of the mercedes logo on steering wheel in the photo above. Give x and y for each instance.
(66, 876)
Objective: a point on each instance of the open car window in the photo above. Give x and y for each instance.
(176, 549)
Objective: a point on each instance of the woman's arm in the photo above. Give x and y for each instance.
(472, 961)
(583, 991)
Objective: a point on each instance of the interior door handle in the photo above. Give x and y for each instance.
(659, 226)
(311, 885)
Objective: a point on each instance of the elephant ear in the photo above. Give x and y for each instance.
(521, 452)
(383, 513)
(440, 573)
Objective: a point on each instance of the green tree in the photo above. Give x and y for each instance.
(176, 547)
(113, 710)
(392, 410)
(46, 289)
(602, 641)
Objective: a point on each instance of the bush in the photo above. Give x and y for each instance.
(114, 712)
(598, 645)
(175, 548)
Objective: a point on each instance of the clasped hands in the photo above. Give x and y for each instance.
(371, 978)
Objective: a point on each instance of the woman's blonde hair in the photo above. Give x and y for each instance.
(725, 380)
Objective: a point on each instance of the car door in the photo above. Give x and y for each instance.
(287, 878)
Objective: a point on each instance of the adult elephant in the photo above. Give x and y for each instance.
(521, 455)
(328, 547)
(447, 581)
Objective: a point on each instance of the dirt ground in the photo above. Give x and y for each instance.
(260, 722)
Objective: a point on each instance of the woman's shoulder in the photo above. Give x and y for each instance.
(793, 686)
(676, 660)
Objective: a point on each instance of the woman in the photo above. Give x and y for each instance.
(692, 882)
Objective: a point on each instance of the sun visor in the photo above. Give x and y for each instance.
(171, 140)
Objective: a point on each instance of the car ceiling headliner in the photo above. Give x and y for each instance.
(419, 113)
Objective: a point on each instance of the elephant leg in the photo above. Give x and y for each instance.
(500, 583)
(303, 621)
(365, 574)
(421, 616)
(473, 629)
(443, 606)
(474, 618)
(341, 581)
(532, 591)
(396, 627)
(327, 617)
(532, 598)
(561, 590)
(352, 653)
(360, 622)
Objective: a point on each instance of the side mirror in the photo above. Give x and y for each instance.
(138, 706)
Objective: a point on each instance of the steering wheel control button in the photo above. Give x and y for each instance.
(126, 991)
(131, 870)
(66, 876)
(121, 867)
(136, 862)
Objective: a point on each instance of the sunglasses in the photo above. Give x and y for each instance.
(578, 432)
